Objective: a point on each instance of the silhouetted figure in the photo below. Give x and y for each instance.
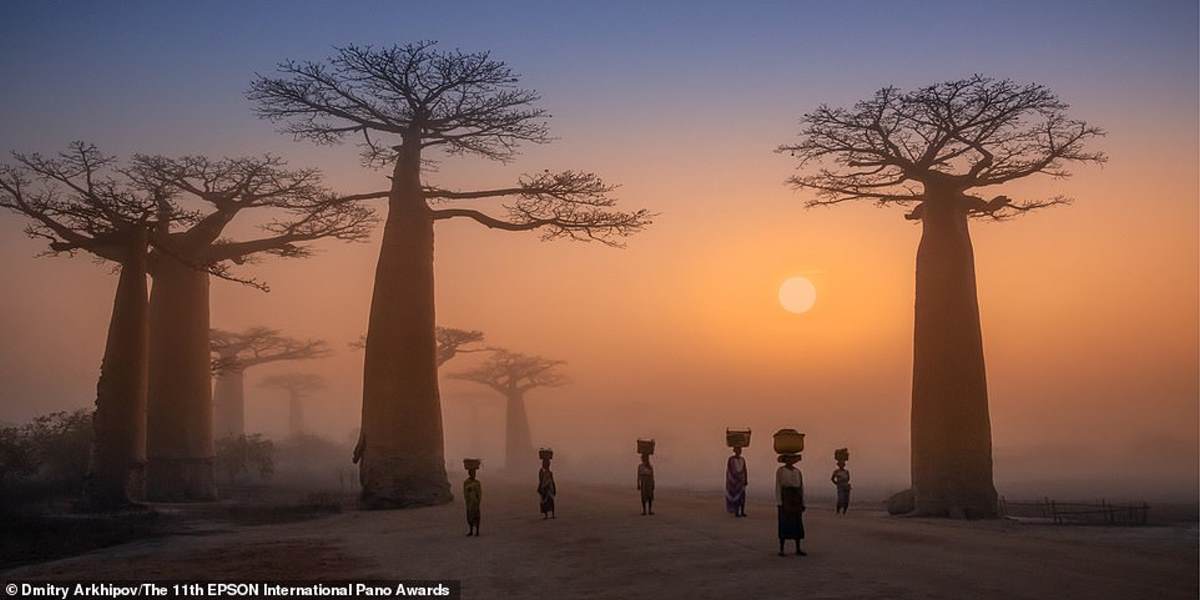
(645, 483)
(735, 483)
(789, 498)
(841, 479)
(472, 497)
(546, 488)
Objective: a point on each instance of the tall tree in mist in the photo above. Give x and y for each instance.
(929, 149)
(406, 102)
(297, 386)
(513, 374)
(450, 342)
(79, 201)
(234, 353)
(292, 208)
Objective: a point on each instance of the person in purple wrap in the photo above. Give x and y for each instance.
(735, 483)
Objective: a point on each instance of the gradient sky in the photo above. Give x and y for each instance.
(1089, 312)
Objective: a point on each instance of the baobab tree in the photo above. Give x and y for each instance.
(297, 386)
(407, 102)
(929, 149)
(82, 201)
(513, 375)
(296, 209)
(234, 353)
(450, 342)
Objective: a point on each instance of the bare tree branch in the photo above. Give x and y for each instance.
(450, 343)
(957, 135)
(226, 187)
(511, 372)
(570, 204)
(260, 345)
(80, 200)
(464, 102)
(415, 97)
(296, 385)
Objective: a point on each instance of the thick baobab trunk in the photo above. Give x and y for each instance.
(229, 403)
(119, 446)
(518, 444)
(951, 430)
(179, 414)
(295, 415)
(402, 462)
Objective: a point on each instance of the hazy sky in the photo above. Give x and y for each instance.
(1089, 312)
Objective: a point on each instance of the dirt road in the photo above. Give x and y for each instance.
(600, 547)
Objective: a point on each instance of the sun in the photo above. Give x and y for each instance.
(797, 295)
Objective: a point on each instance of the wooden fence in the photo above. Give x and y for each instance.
(1078, 513)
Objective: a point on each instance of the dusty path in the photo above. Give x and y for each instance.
(600, 547)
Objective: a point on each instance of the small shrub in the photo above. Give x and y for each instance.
(45, 458)
(238, 455)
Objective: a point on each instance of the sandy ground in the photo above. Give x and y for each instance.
(601, 547)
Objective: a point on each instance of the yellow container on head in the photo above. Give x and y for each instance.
(789, 441)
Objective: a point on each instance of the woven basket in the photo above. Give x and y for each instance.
(788, 441)
(737, 438)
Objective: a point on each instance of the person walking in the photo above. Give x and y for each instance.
(472, 496)
(736, 480)
(546, 488)
(841, 480)
(789, 500)
(645, 484)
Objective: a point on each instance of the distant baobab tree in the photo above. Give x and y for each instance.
(450, 343)
(513, 374)
(406, 101)
(82, 201)
(234, 353)
(297, 386)
(295, 209)
(928, 149)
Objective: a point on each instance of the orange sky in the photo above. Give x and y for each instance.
(1089, 312)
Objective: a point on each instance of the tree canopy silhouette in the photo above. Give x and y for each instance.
(234, 353)
(400, 102)
(84, 201)
(240, 350)
(450, 343)
(293, 209)
(927, 149)
(956, 136)
(513, 374)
